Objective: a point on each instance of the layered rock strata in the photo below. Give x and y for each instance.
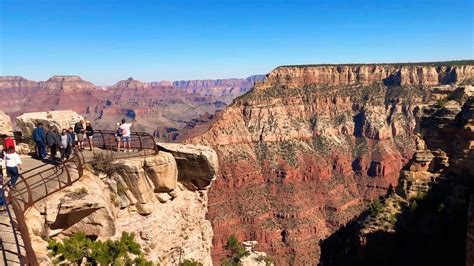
(307, 150)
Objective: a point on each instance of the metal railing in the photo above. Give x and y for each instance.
(42, 181)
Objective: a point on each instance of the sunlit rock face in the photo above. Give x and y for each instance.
(149, 197)
(310, 146)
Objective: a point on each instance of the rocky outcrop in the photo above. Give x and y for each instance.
(388, 74)
(145, 196)
(5, 124)
(16, 82)
(306, 151)
(198, 165)
(223, 89)
(131, 83)
(66, 83)
(427, 220)
(56, 119)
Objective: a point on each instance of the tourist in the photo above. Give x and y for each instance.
(2, 192)
(89, 134)
(79, 130)
(53, 139)
(71, 133)
(126, 135)
(13, 163)
(118, 136)
(66, 145)
(8, 142)
(39, 137)
(2, 195)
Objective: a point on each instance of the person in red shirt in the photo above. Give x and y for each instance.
(8, 142)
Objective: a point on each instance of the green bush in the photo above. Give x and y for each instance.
(375, 208)
(191, 263)
(74, 249)
(442, 102)
(238, 252)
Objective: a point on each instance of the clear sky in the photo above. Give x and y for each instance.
(108, 40)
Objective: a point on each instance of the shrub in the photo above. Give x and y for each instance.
(191, 262)
(375, 208)
(442, 102)
(74, 249)
(238, 252)
(101, 163)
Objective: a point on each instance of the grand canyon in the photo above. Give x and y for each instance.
(319, 164)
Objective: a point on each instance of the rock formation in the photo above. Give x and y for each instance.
(5, 124)
(66, 83)
(429, 220)
(56, 119)
(159, 106)
(146, 196)
(311, 146)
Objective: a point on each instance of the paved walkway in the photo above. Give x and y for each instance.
(52, 178)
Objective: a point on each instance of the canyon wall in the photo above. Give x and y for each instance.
(311, 146)
(167, 109)
(427, 220)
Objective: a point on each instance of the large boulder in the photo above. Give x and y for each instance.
(5, 124)
(57, 119)
(197, 164)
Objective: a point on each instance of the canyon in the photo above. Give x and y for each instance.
(168, 109)
(316, 163)
(311, 147)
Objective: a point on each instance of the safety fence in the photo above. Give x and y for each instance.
(44, 180)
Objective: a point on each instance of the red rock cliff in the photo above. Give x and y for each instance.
(305, 151)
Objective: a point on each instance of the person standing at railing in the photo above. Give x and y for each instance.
(53, 139)
(13, 163)
(79, 130)
(66, 145)
(39, 137)
(2, 192)
(90, 134)
(118, 136)
(127, 135)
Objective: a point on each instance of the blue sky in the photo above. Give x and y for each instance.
(108, 40)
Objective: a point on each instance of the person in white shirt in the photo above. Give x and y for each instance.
(13, 163)
(126, 134)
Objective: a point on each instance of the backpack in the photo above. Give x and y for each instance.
(119, 132)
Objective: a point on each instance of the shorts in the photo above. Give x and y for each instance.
(126, 139)
(80, 137)
(89, 137)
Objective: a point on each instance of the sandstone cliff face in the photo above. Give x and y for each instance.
(56, 119)
(428, 220)
(5, 124)
(222, 89)
(308, 148)
(298, 76)
(144, 196)
(9, 82)
(66, 83)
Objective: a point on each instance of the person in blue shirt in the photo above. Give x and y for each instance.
(39, 137)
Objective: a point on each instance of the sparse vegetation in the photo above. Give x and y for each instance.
(442, 102)
(238, 252)
(79, 248)
(375, 208)
(101, 163)
(191, 262)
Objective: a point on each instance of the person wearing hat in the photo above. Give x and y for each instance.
(89, 134)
